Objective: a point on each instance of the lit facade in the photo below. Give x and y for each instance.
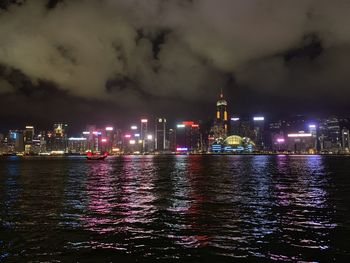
(160, 135)
(234, 144)
(221, 120)
(188, 137)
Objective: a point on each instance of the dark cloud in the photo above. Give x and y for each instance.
(164, 56)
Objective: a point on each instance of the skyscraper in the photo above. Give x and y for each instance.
(160, 135)
(19, 142)
(188, 137)
(143, 134)
(345, 138)
(57, 140)
(259, 132)
(221, 114)
(28, 137)
(218, 131)
(28, 134)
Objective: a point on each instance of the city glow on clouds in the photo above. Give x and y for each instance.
(106, 49)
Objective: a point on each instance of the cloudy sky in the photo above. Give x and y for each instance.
(86, 61)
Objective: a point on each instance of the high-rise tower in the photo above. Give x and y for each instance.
(221, 114)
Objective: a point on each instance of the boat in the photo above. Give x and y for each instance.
(96, 156)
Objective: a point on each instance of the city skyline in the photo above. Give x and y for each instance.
(224, 133)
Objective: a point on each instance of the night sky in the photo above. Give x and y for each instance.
(116, 60)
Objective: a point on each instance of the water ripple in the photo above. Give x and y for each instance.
(265, 208)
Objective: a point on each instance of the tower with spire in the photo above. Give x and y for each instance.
(221, 115)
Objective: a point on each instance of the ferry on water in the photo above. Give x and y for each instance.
(96, 156)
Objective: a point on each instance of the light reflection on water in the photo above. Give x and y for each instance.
(284, 208)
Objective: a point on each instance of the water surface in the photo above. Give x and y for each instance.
(175, 208)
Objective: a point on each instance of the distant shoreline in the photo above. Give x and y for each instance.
(190, 154)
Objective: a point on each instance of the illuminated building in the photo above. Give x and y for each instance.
(34, 148)
(235, 123)
(2, 144)
(172, 140)
(242, 127)
(109, 136)
(330, 135)
(28, 134)
(28, 137)
(77, 145)
(143, 134)
(187, 137)
(235, 143)
(11, 141)
(300, 142)
(60, 129)
(19, 142)
(160, 135)
(150, 143)
(259, 132)
(345, 139)
(117, 141)
(220, 128)
(56, 141)
(276, 140)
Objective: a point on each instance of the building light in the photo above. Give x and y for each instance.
(96, 133)
(195, 126)
(258, 118)
(57, 152)
(132, 142)
(180, 126)
(137, 135)
(144, 121)
(109, 128)
(140, 141)
(312, 126)
(160, 120)
(297, 135)
(280, 140)
(187, 123)
(86, 133)
(115, 150)
(127, 136)
(29, 127)
(104, 140)
(149, 137)
(134, 127)
(76, 139)
(234, 119)
(181, 149)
